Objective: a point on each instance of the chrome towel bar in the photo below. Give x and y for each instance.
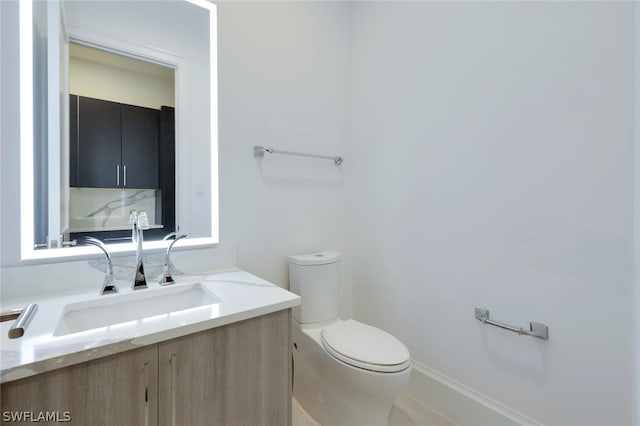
(536, 329)
(258, 151)
(21, 324)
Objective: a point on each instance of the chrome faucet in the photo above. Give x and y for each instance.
(108, 286)
(167, 277)
(139, 222)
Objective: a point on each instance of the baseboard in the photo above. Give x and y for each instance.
(459, 403)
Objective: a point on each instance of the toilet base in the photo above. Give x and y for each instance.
(335, 393)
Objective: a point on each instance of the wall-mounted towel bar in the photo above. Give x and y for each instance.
(258, 151)
(536, 329)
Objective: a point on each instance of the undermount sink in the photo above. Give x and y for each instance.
(117, 309)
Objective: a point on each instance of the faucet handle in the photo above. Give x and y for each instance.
(169, 236)
(108, 286)
(98, 243)
(175, 237)
(167, 277)
(178, 237)
(93, 241)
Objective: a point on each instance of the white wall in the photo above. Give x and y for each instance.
(284, 72)
(493, 169)
(116, 84)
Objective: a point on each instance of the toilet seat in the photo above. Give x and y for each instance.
(363, 346)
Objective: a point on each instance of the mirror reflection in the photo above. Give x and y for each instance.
(110, 126)
(121, 135)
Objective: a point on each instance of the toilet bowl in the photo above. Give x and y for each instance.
(345, 373)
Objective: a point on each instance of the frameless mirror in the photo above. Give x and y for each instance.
(98, 79)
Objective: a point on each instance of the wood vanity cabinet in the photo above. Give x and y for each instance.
(105, 391)
(113, 145)
(238, 374)
(235, 375)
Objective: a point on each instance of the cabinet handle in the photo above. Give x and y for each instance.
(172, 363)
(125, 175)
(118, 175)
(145, 371)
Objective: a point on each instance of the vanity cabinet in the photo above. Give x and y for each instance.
(106, 391)
(237, 374)
(113, 145)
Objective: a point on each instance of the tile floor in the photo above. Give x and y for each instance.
(405, 412)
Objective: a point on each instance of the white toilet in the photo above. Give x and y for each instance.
(345, 373)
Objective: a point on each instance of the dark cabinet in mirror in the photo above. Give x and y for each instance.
(121, 158)
(113, 145)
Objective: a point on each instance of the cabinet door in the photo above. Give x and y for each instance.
(99, 128)
(140, 147)
(116, 390)
(234, 375)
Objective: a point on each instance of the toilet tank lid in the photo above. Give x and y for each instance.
(318, 258)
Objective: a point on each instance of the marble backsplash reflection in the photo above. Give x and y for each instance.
(124, 268)
(101, 209)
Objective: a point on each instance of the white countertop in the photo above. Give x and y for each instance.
(242, 295)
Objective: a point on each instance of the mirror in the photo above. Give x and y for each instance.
(175, 37)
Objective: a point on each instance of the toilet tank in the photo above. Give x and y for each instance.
(315, 278)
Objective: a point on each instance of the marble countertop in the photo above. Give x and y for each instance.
(242, 296)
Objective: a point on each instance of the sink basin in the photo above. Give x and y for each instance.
(117, 309)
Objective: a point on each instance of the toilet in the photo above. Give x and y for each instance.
(345, 373)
